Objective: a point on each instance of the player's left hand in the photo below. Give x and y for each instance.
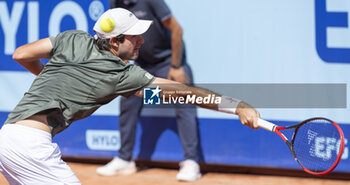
(178, 75)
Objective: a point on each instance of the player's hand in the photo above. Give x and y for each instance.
(248, 115)
(178, 75)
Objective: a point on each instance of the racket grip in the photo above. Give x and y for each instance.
(266, 125)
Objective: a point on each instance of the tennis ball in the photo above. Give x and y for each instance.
(107, 25)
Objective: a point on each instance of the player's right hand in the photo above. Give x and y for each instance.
(248, 115)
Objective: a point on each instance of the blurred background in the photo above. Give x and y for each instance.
(229, 42)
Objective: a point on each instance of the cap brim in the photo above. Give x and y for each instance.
(139, 28)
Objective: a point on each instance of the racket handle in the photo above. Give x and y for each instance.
(266, 125)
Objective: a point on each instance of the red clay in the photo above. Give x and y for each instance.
(155, 176)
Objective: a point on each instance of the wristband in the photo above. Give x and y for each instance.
(228, 104)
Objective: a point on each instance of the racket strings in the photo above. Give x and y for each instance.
(316, 145)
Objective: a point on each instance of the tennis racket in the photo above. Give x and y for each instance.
(317, 144)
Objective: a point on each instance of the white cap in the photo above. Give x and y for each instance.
(120, 21)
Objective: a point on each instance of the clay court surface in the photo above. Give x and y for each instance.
(160, 176)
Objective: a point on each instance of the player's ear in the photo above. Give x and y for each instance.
(113, 41)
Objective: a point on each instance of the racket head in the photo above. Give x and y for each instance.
(317, 145)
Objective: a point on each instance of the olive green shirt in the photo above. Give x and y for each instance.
(77, 80)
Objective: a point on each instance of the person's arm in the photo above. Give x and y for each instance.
(29, 55)
(246, 113)
(176, 72)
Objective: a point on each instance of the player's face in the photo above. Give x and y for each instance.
(129, 49)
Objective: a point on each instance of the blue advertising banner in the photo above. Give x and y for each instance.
(332, 21)
(24, 22)
(222, 141)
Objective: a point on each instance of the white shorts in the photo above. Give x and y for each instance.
(28, 156)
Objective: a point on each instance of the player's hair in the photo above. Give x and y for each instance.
(103, 44)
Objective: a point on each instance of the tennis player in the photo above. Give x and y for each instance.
(83, 73)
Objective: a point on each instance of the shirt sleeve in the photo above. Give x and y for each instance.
(160, 9)
(133, 80)
(55, 40)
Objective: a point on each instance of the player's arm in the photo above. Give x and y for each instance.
(247, 114)
(29, 55)
(176, 72)
(176, 39)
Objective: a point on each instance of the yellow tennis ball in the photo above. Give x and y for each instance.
(107, 25)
